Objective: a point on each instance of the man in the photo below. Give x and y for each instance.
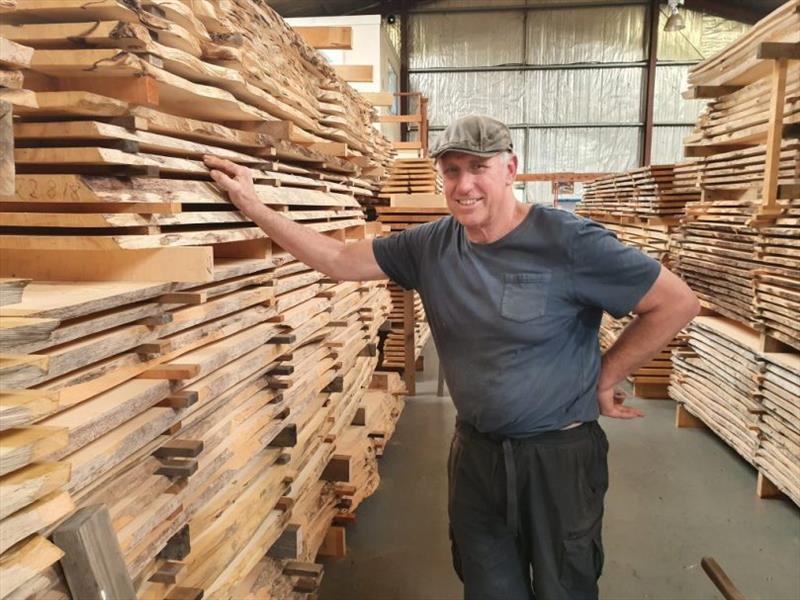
(514, 294)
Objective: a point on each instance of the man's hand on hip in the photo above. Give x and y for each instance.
(612, 404)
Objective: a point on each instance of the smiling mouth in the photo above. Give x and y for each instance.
(468, 201)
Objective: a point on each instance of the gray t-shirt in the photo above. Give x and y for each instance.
(515, 322)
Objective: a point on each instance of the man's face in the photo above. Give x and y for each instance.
(475, 187)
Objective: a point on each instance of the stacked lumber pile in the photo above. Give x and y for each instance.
(746, 396)
(747, 138)
(189, 96)
(652, 192)
(411, 176)
(404, 211)
(166, 360)
(176, 394)
(778, 453)
(777, 281)
(739, 249)
(716, 377)
(739, 81)
(642, 208)
(408, 210)
(716, 247)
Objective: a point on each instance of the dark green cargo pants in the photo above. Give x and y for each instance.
(526, 515)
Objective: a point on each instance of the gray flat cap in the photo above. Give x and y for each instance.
(473, 134)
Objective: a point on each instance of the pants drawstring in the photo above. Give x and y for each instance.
(512, 510)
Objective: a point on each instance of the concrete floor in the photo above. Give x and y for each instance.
(676, 495)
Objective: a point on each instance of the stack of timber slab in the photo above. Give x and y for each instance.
(748, 397)
(165, 359)
(778, 453)
(716, 377)
(411, 177)
(404, 211)
(739, 248)
(642, 208)
(652, 192)
(748, 141)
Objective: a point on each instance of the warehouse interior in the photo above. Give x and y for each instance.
(188, 410)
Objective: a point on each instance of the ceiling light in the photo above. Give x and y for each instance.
(675, 19)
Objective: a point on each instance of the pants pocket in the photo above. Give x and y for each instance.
(582, 563)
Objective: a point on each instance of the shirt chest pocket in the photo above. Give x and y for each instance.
(524, 295)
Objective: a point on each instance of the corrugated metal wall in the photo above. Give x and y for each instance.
(567, 77)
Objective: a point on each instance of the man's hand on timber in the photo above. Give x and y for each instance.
(612, 404)
(236, 180)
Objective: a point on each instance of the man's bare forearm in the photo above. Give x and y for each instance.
(642, 339)
(353, 261)
(318, 251)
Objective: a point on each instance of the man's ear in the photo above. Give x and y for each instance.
(511, 169)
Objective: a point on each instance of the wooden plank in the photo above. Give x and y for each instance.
(15, 55)
(327, 37)
(35, 517)
(769, 192)
(399, 118)
(418, 200)
(334, 544)
(7, 169)
(354, 73)
(178, 264)
(22, 446)
(24, 486)
(23, 407)
(93, 562)
(379, 98)
(25, 561)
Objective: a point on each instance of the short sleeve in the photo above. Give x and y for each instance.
(398, 255)
(607, 273)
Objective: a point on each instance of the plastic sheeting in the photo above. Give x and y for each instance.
(583, 149)
(536, 97)
(498, 94)
(466, 39)
(669, 106)
(668, 144)
(610, 34)
(583, 96)
(441, 4)
(702, 36)
(558, 36)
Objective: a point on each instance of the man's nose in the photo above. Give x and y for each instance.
(464, 183)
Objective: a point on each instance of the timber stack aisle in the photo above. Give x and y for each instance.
(642, 207)
(739, 249)
(185, 409)
(413, 194)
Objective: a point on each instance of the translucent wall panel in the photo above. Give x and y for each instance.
(494, 93)
(466, 39)
(669, 105)
(610, 34)
(702, 37)
(584, 149)
(439, 4)
(583, 96)
(668, 144)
